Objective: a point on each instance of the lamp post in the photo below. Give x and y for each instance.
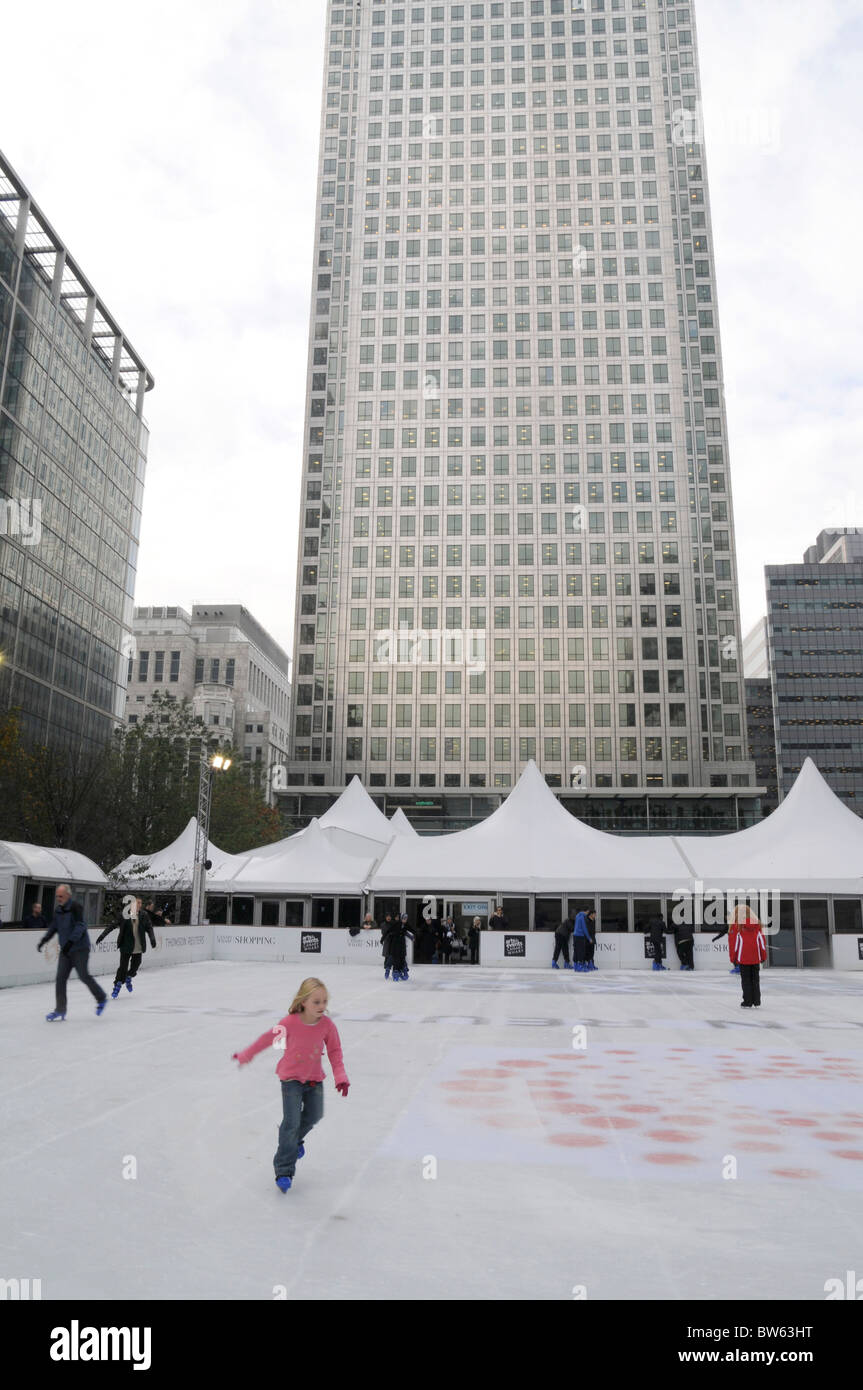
(217, 763)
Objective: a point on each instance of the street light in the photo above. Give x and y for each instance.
(218, 763)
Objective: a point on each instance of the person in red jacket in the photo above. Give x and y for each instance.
(748, 949)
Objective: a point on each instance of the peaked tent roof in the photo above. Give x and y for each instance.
(308, 863)
(356, 811)
(171, 867)
(529, 844)
(400, 823)
(811, 842)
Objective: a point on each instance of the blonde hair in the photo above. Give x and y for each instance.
(476, 922)
(305, 991)
(743, 915)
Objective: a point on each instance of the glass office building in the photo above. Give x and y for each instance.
(815, 658)
(73, 446)
(516, 529)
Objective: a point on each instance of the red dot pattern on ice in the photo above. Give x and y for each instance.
(546, 1094)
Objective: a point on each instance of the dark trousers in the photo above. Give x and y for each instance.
(750, 980)
(579, 949)
(561, 943)
(685, 950)
(591, 947)
(77, 959)
(128, 967)
(302, 1107)
(474, 953)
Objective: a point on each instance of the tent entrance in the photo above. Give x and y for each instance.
(463, 911)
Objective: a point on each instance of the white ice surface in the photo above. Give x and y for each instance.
(547, 1177)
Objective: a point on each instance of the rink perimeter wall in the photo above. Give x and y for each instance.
(22, 964)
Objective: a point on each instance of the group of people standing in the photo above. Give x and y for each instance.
(579, 928)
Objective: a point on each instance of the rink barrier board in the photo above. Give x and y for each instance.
(21, 964)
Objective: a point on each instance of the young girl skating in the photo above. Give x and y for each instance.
(302, 1033)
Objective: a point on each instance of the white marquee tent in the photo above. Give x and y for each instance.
(531, 844)
(307, 863)
(170, 869)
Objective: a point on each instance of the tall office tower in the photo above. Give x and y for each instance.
(516, 536)
(73, 446)
(815, 660)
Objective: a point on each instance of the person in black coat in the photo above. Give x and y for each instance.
(473, 940)
(71, 931)
(656, 930)
(562, 932)
(386, 933)
(684, 940)
(34, 917)
(399, 933)
(497, 921)
(446, 939)
(132, 941)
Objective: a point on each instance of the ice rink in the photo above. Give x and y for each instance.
(508, 1134)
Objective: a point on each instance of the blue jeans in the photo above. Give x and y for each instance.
(302, 1107)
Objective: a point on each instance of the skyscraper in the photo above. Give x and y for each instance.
(517, 537)
(73, 446)
(814, 649)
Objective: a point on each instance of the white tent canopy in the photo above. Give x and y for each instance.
(51, 865)
(530, 844)
(356, 811)
(812, 842)
(400, 823)
(170, 869)
(308, 863)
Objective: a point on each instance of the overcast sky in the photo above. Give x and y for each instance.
(173, 145)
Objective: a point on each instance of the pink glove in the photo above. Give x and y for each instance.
(235, 1057)
(343, 1087)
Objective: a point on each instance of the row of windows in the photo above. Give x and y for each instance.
(477, 716)
(501, 585)
(475, 749)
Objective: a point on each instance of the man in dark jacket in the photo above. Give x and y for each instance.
(684, 940)
(399, 932)
(68, 925)
(656, 932)
(132, 941)
(34, 917)
(562, 932)
(497, 921)
(386, 933)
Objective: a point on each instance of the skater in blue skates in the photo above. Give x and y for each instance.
(132, 941)
(656, 929)
(398, 947)
(562, 932)
(583, 941)
(69, 927)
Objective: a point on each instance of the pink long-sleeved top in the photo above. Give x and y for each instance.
(303, 1045)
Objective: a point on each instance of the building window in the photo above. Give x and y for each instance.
(159, 666)
(143, 664)
(199, 670)
(175, 667)
(230, 666)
